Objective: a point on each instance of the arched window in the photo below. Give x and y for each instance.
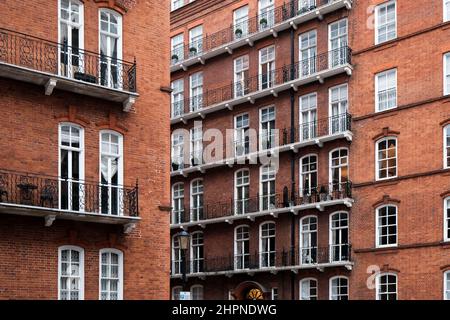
(308, 240)
(241, 247)
(176, 255)
(308, 175)
(71, 37)
(197, 252)
(267, 245)
(111, 274)
(176, 292)
(178, 203)
(447, 219)
(111, 172)
(308, 289)
(197, 292)
(267, 188)
(197, 200)
(71, 166)
(242, 191)
(447, 146)
(339, 175)
(339, 288)
(110, 39)
(386, 226)
(386, 284)
(447, 285)
(339, 237)
(70, 273)
(386, 158)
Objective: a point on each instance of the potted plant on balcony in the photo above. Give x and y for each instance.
(175, 166)
(238, 33)
(263, 23)
(174, 58)
(193, 51)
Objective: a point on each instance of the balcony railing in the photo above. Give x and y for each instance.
(301, 258)
(59, 59)
(245, 29)
(69, 196)
(301, 70)
(263, 203)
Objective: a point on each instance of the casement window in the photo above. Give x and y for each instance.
(267, 245)
(176, 292)
(71, 167)
(338, 41)
(308, 116)
(241, 248)
(70, 273)
(240, 22)
(268, 135)
(308, 175)
(196, 41)
(339, 169)
(196, 145)
(308, 240)
(177, 150)
(306, 5)
(196, 93)
(386, 90)
(447, 146)
(446, 10)
(308, 52)
(267, 188)
(111, 274)
(241, 136)
(339, 288)
(447, 219)
(266, 67)
(385, 22)
(241, 76)
(197, 200)
(110, 48)
(242, 191)
(176, 255)
(197, 252)
(386, 286)
(71, 37)
(111, 172)
(197, 292)
(177, 98)
(308, 289)
(446, 74)
(338, 109)
(386, 158)
(339, 237)
(447, 285)
(178, 203)
(266, 14)
(386, 226)
(274, 294)
(177, 48)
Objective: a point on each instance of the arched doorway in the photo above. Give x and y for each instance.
(250, 290)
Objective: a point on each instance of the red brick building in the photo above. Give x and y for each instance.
(331, 179)
(83, 176)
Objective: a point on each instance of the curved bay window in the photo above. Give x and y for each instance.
(71, 167)
(111, 173)
(110, 48)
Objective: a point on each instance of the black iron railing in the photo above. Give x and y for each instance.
(60, 59)
(302, 257)
(303, 69)
(70, 195)
(260, 203)
(244, 29)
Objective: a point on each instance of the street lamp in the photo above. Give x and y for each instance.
(183, 238)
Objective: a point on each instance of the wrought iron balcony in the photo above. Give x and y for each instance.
(70, 199)
(57, 65)
(317, 68)
(272, 204)
(336, 255)
(246, 32)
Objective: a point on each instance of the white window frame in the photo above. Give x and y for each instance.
(237, 184)
(241, 133)
(446, 135)
(340, 166)
(196, 100)
(338, 295)
(81, 270)
(177, 150)
(378, 285)
(196, 39)
(338, 56)
(309, 173)
(268, 134)
(446, 285)
(200, 260)
(312, 124)
(199, 209)
(338, 122)
(240, 85)
(274, 293)
(177, 97)
(302, 282)
(266, 10)
(446, 75)
(271, 250)
(308, 64)
(176, 4)
(196, 145)
(271, 170)
(240, 21)
(377, 158)
(176, 296)
(342, 246)
(309, 250)
(241, 256)
(174, 260)
(177, 216)
(446, 10)
(197, 286)
(120, 272)
(271, 62)
(377, 26)
(378, 226)
(377, 93)
(177, 46)
(447, 220)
